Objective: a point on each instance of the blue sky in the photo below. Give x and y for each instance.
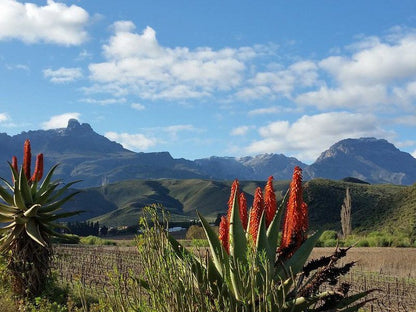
(203, 78)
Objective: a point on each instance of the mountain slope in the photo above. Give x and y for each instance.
(374, 207)
(368, 159)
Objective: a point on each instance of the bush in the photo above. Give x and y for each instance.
(94, 240)
(69, 239)
(195, 232)
(363, 243)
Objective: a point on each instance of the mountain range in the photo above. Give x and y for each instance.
(86, 155)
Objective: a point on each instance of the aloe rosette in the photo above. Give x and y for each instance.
(254, 269)
(28, 214)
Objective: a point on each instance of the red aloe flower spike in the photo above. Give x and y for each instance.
(224, 233)
(243, 210)
(27, 158)
(270, 204)
(255, 214)
(38, 173)
(14, 165)
(296, 218)
(234, 188)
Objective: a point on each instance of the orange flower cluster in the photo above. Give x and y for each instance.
(267, 205)
(296, 219)
(27, 159)
(224, 228)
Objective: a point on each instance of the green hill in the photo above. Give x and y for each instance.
(380, 207)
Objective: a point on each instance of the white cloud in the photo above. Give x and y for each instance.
(240, 130)
(104, 101)
(381, 62)
(53, 23)
(4, 117)
(138, 106)
(352, 96)
(136, 142)
(59, 121)
(281, 81)
(138, 62)
(63, 74)
(379, 75)
(264, 111)
(308, 136)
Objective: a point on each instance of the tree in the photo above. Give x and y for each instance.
(346, 214)
(28, 213)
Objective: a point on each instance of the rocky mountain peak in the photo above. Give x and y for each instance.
(74, 127)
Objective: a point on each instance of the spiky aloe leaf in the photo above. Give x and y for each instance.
(49, 218)
(218, 253)
(44, 197)
(62, 190)
(5, 219)
(32, 229)
(238, 248)
(6, 196)
(57, 204)
(295, 263)
(6, 209)
(357, 307)
(47, 181)
(5, 241)
(24, 188)
(345, 302)
(262, 243)
(18, 197)
(301, 303)
(32, 211)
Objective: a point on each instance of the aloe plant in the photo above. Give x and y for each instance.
(28, 214)
(255, 271)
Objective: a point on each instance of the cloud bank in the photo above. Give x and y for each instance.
(54, 23)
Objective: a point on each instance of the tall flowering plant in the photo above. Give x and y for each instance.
(253, 269)
(28, 214)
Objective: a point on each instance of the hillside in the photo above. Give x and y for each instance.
(374, 207)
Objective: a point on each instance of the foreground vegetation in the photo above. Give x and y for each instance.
(259, 261)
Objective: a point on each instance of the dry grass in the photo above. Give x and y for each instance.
(396, 262)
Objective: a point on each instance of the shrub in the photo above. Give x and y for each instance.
(94, 240)
(195, 232)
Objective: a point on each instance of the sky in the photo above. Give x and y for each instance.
(205, 78)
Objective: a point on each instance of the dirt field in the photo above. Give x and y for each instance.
(397, 262)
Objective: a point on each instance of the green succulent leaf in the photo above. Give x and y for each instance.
(18, 199)
(48, 218)
(24, 188)
(301, 303)
(32, 229)
(32, 211)
(345, 302)
(262, 243)
(295, 263)
(47, 181)
(8, 209)
(6, 196)
(62, 190)
(219, 255)
(58, 204)
(6, 241)
(238, 248)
